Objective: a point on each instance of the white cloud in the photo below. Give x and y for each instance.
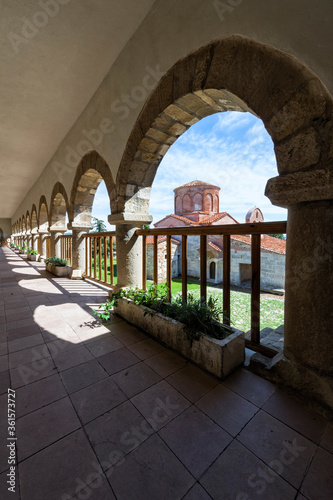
(232, 150)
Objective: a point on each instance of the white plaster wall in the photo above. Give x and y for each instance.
(171, 30)
(6, 226)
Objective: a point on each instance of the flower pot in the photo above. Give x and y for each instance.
(62, 271)
(218, 357)
(33, 257)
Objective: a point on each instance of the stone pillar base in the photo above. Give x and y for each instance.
(76, 274)
(313, 388)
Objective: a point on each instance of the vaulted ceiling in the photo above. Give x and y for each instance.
(54, 54)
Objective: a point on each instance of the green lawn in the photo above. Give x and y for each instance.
(108, 270)
(271, 310)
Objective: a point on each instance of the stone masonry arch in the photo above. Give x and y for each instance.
(89, 174)
(293, 104)
(59, 206)
(43, 215)
(239, 74)
(34, 220)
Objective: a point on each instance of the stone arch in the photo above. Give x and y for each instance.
(187, 204)
(59, 206)
(43, 215)
(208, 205)
(34, 219)
(197, 201)
(293, 104)
(178, 205)
(24, 226)
(216, 206)
(28, 221)
(89, 174)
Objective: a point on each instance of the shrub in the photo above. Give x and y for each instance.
(198, 316)
(56, 261)
(32, 252)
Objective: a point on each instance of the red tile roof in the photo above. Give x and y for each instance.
(160, 239)
(197, 183)
(270, 243)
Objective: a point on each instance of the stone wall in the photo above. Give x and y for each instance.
(162, 251)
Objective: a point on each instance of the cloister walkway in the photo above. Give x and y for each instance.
(106, 412)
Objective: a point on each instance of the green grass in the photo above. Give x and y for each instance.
(271, 310)
(108, 270)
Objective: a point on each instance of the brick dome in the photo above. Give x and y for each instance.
(198, 197)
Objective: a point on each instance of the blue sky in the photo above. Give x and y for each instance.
(231, 150)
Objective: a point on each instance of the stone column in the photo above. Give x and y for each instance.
(55, 240)
(34, 241)
(78, 250)
(309, 285)
(42, 243)
(308, 343)
(28, 238)
(129, 247)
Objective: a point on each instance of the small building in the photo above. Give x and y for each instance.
(197, 204)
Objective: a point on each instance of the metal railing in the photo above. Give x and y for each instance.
(100, 265)
(226, 230)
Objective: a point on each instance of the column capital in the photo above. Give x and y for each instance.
(299, 187)
(79, 227)
(53, 229)
(130, 218)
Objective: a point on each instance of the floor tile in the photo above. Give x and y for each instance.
(104, 345)
(99, 489)
(327, 439)
(166, 363)
(25, 342)
(97, 399)
(195, 439)
(64, 468)
(279, 446)
(160, 404)
(238, 474)
(117, 433)
(117, 361)
(192, 382)
(23, 332)
(27, 356)
(83, 375)
(4, 363)
(136, 379)
(151, 471)
(74, 357)
(26, 374)
(42, 427)
(291, 412)
(253, 388)
(227, 409)
(128, 335)
(38, 394)
(318, 484)
(146, 348)
(197, 493)
(4, 382)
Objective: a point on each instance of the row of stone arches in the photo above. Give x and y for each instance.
(239, 74)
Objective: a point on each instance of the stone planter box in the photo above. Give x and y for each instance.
(218, 357)
(33, 257)
(61, 271)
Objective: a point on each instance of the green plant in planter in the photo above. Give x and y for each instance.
(33, 252)
(198, 317)
(56, 261)
(24, 249)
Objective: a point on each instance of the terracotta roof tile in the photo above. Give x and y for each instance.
(197, 183)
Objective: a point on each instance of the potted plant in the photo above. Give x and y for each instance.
(33, 255)
(191, 328)
(58, 266)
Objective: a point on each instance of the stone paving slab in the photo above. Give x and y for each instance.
(106, 413)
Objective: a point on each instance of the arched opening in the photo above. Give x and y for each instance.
(212, 270)
(43, 215)
(89, 174)
(197, 202)
(236, 73)
(91, 171)
(59, 207)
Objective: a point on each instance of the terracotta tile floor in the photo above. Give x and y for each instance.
(107, 413)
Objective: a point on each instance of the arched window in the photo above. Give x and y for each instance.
(212, 270)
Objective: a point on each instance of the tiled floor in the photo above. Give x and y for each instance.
(107, 413)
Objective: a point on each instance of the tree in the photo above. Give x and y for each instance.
(280, 236)
(99, 226)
